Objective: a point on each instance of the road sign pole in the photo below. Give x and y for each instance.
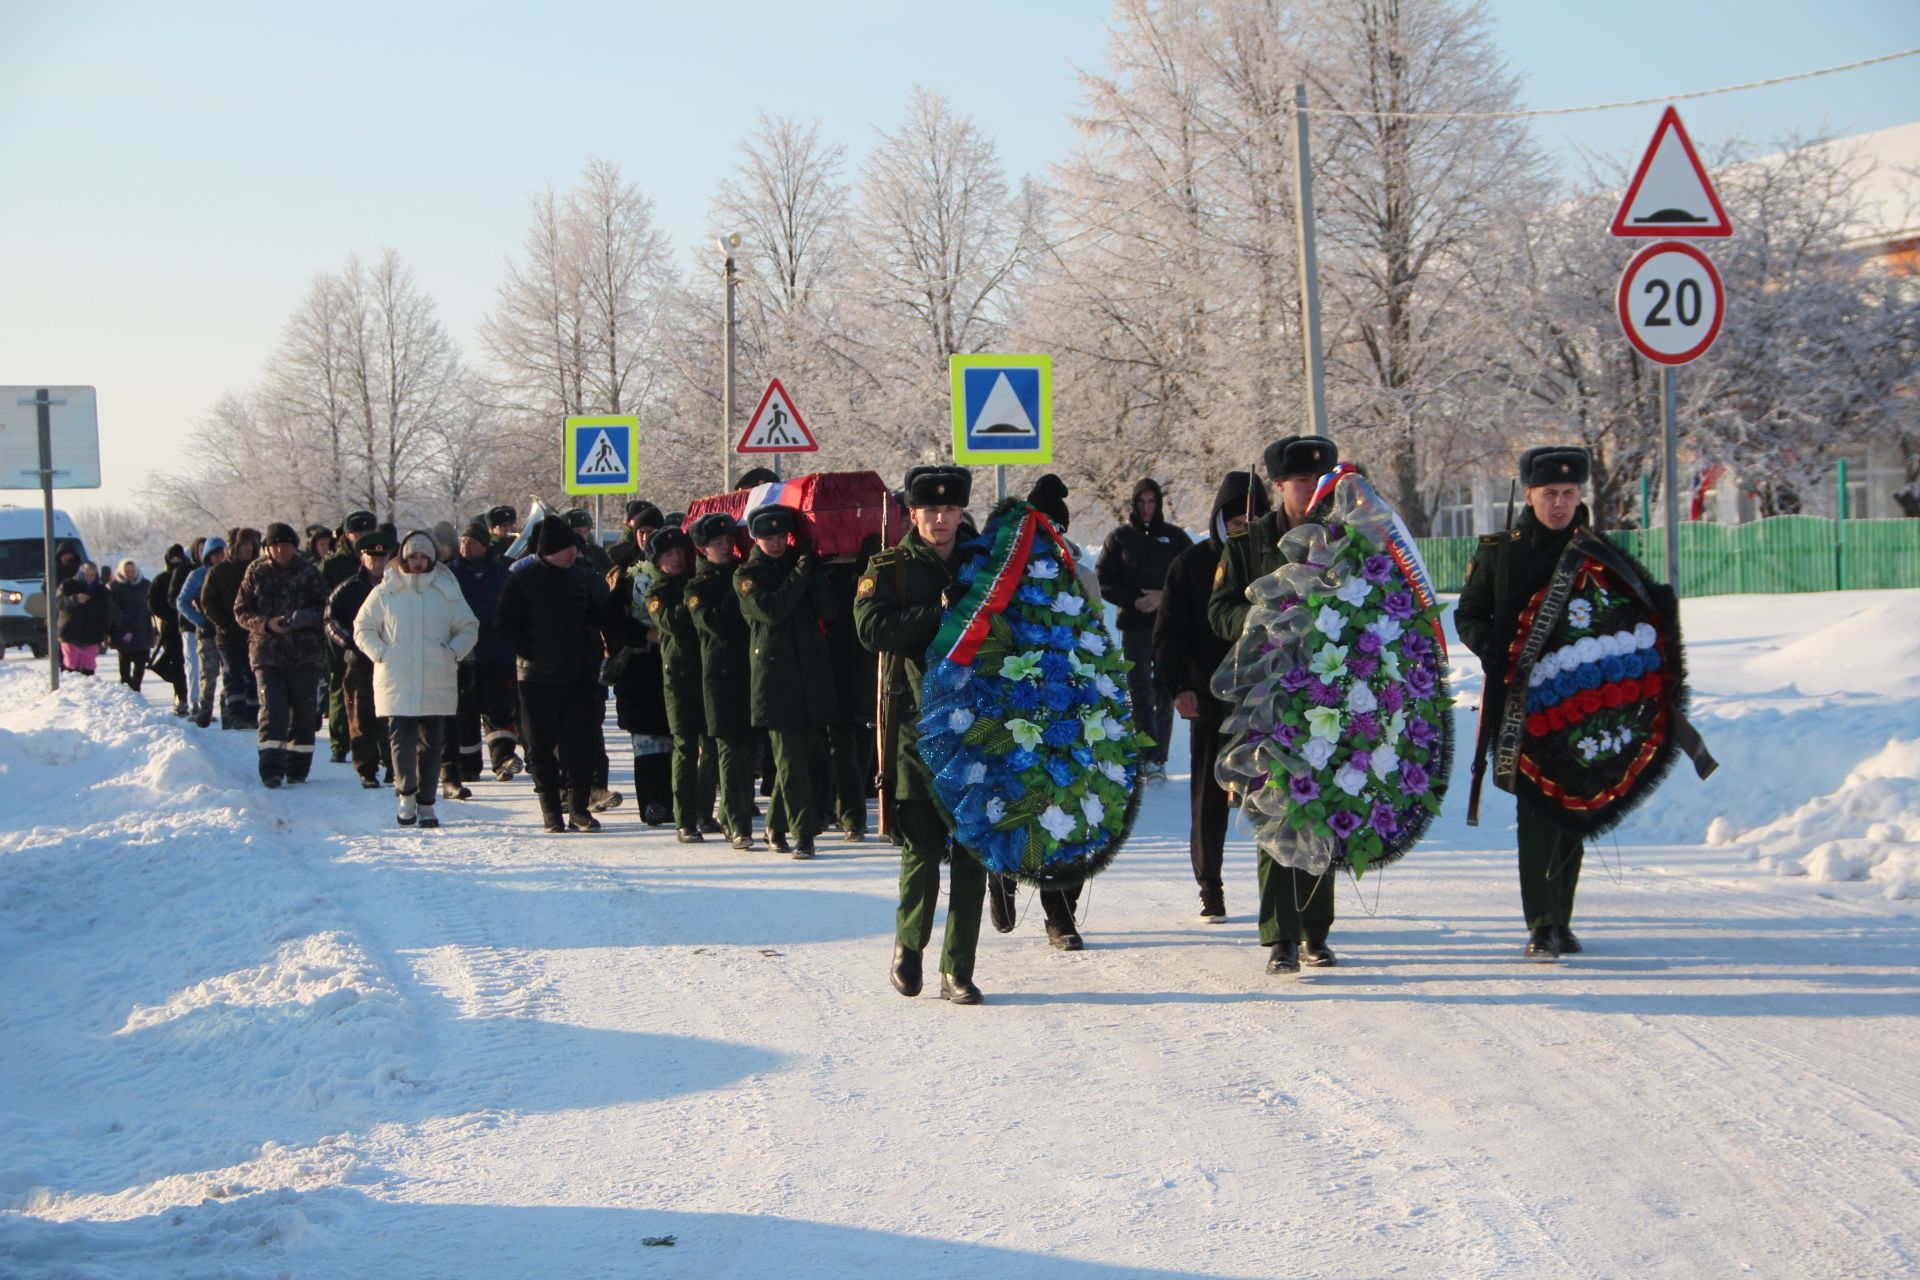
(1671, 464)
(43, 401)
(1000, 482)
(726, 388)
(1309, 266)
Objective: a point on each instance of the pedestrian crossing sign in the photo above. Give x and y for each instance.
(1002, 408)
(599, 455)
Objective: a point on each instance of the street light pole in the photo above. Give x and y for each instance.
(727, 245)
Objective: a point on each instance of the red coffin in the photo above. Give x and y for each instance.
(839, 510)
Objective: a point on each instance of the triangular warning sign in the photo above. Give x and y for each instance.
(1670, 195)
(1003, 414)
(602, 459)
(776, 426)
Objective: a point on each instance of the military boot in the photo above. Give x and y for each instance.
(905, 973)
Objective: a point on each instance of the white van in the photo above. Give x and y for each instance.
(22, 570)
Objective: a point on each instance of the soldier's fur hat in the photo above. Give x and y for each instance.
(757, 476)
(714, 524)
(640, 512)
(666, 539)
(1300, 456)
(362, 521)
(502, 514)
(1049, 497)
(278, 532)
(1555, 464)
(941, 486)
(769, 521)
(578, 518)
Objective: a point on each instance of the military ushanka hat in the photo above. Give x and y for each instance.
(502, 514)
(1555, 464)
(1300, 456)
(941, 486)
(770, 521)
(714, 524)
(361, 521)
(666, 539)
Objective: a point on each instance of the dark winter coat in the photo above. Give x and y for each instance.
(855, 673)
(679, 655)
(898, 611)
(786, 611)
(222, 587)
(481, 582)
(132, 623)
(1136, 557)
(297, 596)
(343, 607)
(1485, 617)
(550, 618)
(726, 682)
(1250, 553)
(341, 565)
(1186, 650)
(84, 623)
(162, 591)
(624, 552)
(640, 696)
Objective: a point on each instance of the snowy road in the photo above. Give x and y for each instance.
(267, 1034)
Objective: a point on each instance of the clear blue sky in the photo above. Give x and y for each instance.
(173, 174)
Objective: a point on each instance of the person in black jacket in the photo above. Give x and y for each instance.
(366, 731)
(1133, 574)
(86, 615)
(487, 702)
(240, 698)
(550, 615)
(160, 593)
(1186, 652)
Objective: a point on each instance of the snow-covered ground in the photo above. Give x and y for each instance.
(268, 1034)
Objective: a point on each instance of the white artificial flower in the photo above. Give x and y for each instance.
(996, 809)
(1349, 779)
(1396, 726)
(1070, 605)
(1106, 686)
(1580, 615)
(1387, 629)
(976, 774)
(1093, 642)
(1057, 821)
(1331, 622)
(1390, 664)
(1095, 811)
(1115, 730)
(1043, 570)
(1324, 722)
(1354, 590)
(1091, 726)
(1317, 751)
(1116, 773)
(960, 720)
(1386, 761)
(1588, 748)
(1585, 650)
(1643, 636)
(1330, 662)
(1360, 699)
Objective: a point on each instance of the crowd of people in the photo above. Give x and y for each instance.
(734, 653)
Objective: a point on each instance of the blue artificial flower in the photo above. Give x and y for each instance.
(1062, 637)
(1089, 695)
(1023, 696)
(1649, 659)
(1020, 759)
(968, 572)
(1588, 675)
(1029, 635)
(1034, 595)
(1058, 697)
(1083, 756)
(1055, 666)
(1613, 668)
(1060, 771)
(1060, 734)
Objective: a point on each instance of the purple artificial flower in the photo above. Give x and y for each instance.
(1335, 531)
(1399, 605)
(1270, 644)
(1362, 668)
(1420, 733)
(1416, 645)
(1420, 680)
(1376, 568)
(1413, 778)
(1369, 642)
(1287, 602)
(1261, 779)
(1286, 735)
(1296, 679)
(1392, 697)
(1365, 728)
(1343, 823)
(1322, 694)
(1361, 760)
(1383, 820)
(1305, 789)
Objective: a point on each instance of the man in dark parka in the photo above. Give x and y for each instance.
(671, 552)
(725, 670)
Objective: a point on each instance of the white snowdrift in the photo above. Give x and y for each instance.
(1866, 829)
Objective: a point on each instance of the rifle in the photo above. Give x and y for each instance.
(1483, 725)
(887, 746)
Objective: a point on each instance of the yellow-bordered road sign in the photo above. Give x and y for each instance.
(599, 455)
(1002, 408)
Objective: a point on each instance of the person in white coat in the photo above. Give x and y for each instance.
(416, 627)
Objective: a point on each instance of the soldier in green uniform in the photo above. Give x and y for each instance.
(725, 663)
(784, 598)
(897, 610)
(334, 570)
(671, 551)
(850, 737)
(503, 522)
(1507, 569)
(1295, 907)
(580, 520)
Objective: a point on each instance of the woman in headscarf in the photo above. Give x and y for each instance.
(86, 616)
(132, 622)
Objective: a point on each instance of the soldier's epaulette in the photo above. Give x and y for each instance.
(1495, 539)
(1241, 532)
(881, 559)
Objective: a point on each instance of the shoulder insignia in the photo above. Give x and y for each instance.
(881, 559)
(1220, 573)
(744, 584)
(1514, 536)
(1492, 539)
(653, 605)
(1241, 532)
(693, 600)
(868, 585)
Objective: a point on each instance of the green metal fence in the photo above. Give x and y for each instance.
(1781, 554)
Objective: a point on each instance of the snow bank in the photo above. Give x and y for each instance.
(1866, 829)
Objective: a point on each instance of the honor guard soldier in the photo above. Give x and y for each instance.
(725, 664)
(1507, 570)
(1295, 907)
(897, 611)
(671, 551)
(503, 522)
(784, 597)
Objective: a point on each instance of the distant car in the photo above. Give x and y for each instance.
(23, 572)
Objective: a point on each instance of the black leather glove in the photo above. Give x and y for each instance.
(952, 596)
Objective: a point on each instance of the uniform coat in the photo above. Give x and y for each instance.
(725, 649)
(679, 655)
(785, 611)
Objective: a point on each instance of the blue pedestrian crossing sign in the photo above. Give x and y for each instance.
(599, 455)
(1002, 408)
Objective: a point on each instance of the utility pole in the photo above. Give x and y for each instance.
(1309, 267)
(727, 244)
(43, 401)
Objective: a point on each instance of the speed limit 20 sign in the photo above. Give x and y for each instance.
(1671, 302)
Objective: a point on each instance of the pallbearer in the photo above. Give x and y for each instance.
(725, 681)
(671, 551)
(899, 604)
